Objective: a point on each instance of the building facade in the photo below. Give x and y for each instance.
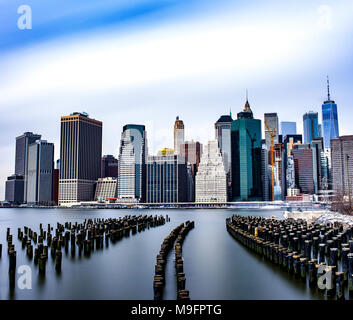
(329, 119)
(106, 189)
(80, 157)
(310, 126)
(342, 164)
(40, 172)
(166, 179)
(211, 180)
(223, 136)
(246, 156)
(109, 166)
(179, 135)
(21, 158)
(303, 164)
(272, 122)
(288, 127)
(14, 189)
(132, 164)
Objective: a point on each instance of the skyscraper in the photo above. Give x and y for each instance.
(272, 121)
(211, 181)
(166, 179)
(246, 156)
(288, 172)
(342, 164)
(80, 157)
(192, 152)
(109, 166)
(223, 136)
(311, 126)
(303, 164)
(329, 119)
(21, 161)
(40, 172)
(14, 187)
(288, 127)
(179, 136)
(132, 164)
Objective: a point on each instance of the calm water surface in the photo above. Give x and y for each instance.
(216, 266)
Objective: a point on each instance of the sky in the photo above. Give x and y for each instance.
(146, 62)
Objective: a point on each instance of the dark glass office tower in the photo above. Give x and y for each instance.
(329, 119)
(246, 156)
(80, 157)
(21, 161)
(166, 179)
(311, 126)
(132, 164)
(40, 172)
(109, 166)
(223, 136)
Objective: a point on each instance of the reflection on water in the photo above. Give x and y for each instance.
(216, 266)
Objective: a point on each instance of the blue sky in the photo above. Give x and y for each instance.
(144, 61)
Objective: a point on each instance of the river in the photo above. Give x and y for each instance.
(216, 266)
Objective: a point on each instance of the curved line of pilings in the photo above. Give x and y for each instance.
(85, 237)
(177, 236)
(182, 293)
(321, 256)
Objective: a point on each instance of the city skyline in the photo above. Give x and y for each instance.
(123, 86)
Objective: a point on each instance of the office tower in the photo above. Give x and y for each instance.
(265, 173)
(179, 136)
(342, 164)
(40, 172)
(109, 166)
(21, 161)
(246, 156)
(272, 121)
(288, 127)
(311, 126)
(192, 152)
(303, 164)
(165, 152)
(278, 174)
(106, 189)
(223, 136)
(166, 179)
(288, 172)
(320, 131)
(132, 164)
(14, 189)
(317, 145)
(329, 119)
(211, 180)
(80, 157)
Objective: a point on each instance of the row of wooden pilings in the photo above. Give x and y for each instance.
(177, 236)
(182, 293)
(319, 255)
(84, 237)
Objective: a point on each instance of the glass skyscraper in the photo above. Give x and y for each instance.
(288, 127)
(132, 164)
(311, 126)
(223, 133)
(246, 156)
(329, 119)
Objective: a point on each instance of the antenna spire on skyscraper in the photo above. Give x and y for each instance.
(328, 89)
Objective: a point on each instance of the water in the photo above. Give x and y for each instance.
(216, 266)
